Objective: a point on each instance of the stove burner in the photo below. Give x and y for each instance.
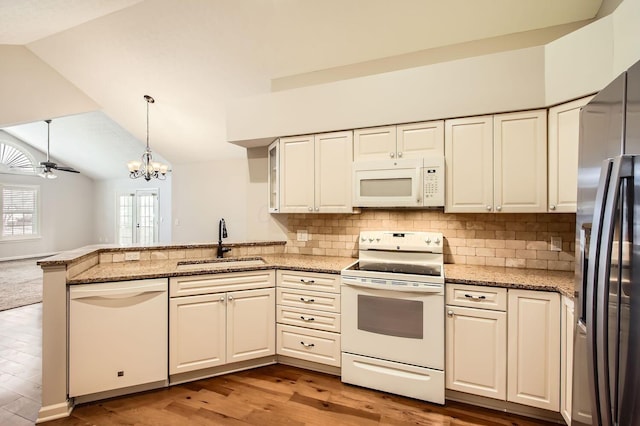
(399, 268)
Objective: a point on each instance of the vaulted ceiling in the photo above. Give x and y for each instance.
(193, 56)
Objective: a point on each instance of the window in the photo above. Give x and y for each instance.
(14, 159)
(19, 211)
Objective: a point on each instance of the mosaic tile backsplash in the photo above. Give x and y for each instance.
(512, 240)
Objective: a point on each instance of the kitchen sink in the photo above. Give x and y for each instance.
(237, 262)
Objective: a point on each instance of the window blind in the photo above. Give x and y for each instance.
(19, 211)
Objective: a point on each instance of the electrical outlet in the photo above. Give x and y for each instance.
(131, 255)
(303, 235)
(556, 243)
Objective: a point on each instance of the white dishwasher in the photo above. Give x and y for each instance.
(117, 335)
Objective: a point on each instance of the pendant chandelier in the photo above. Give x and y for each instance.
(147, 168)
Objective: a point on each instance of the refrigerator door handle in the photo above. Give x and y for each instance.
(592, 274)
(621, 168)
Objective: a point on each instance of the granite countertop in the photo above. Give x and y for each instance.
(529, 279)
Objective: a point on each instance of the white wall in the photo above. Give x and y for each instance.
(67, 212)
(33, 91)
(504, 81)
(235, 190)
(105, 205)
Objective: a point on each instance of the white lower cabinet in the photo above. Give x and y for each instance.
(566, 358)
(533, 374)
(476, 351)
(505, 345)
(210, 330)
(308, 315)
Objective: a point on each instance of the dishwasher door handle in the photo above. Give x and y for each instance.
(116, 290)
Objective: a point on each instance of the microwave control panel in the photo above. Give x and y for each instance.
(433, 185)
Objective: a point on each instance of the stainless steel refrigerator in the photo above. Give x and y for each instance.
(606, 367)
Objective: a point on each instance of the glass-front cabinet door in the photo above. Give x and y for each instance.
(274, 170)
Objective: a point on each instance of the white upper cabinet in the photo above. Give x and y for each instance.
(564, 135)
(315, 173)
(497, 163)
(520, 162)
(297, 174)
(274, 177)
(469, 164)
(415, 140)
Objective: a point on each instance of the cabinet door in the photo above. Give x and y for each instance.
(520, 162)
(469, 164)
(273, 177)
(564, 134)
(476, 351)
(333, 159)
(296, 174)
(534, 349)
(566, 358)
(251, 324)
(196, 332)
(420, 140)
(377, 143)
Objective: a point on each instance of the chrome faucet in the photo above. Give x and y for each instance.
(222, 233)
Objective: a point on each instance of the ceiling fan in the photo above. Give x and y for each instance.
(48, 166)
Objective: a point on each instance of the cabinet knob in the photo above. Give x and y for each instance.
(488, 208)
(449, 313)
(310, 209)
(222, 299)
(317, 209)
(552, 207)
(498, 208)
(399, 155)
(392, 154)
(230, 298)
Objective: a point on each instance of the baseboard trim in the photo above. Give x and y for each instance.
(54, 412)
(309, 365)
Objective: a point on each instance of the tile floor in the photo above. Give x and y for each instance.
(20, 364)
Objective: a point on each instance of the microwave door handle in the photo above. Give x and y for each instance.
(592, 273)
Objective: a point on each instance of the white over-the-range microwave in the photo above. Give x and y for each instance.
(410, 182)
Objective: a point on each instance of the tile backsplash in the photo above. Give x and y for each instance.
(512, 240)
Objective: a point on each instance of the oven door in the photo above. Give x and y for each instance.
(395, 183)
(401, 326)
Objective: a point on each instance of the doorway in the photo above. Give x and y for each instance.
(137, 217)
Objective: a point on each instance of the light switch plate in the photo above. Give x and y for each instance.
(556, 243)
(303, 235)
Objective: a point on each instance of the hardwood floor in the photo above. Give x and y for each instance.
(279, 395)
(274, 395)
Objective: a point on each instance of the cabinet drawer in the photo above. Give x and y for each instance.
(319, 320)
(311, 345)
(218, 283)
(308, 299)
(309, 281)
(493, 298)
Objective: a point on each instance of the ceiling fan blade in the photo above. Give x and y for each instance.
(66, 169)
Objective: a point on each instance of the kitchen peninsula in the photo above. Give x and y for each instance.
(103, 263)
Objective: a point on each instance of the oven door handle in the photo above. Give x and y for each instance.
(423, 289)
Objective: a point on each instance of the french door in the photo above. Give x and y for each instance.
(137, 217)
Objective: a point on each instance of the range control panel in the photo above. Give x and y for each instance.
(401, 241)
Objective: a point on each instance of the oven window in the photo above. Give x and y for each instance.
(399, 187)
(391, 317)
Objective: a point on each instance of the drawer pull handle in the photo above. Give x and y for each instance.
(472, 297)
(307, 300)
(303, 281)
(307, 345)
(307, 319)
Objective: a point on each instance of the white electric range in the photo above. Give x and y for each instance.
(393, 314)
